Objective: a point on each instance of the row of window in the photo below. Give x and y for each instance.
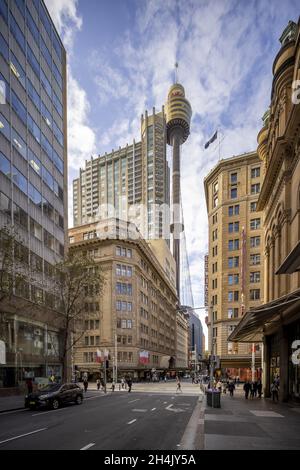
(123, 289)
(235, 210)
(33, 128)
(34, 29)
(124, 339)
(91, 340)
(20, 217)
(123, 270)
(124, 252)
(124, 324)
(91, 325)
(235, 244)
(123, 306)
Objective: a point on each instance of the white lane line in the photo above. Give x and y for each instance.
(132, 401)
(88, 446)
(153, 409)
(169, 407)
(132, 421)
(23, 435)
(50, 411)
(139, 410)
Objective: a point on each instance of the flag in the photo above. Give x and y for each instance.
(211, 140)
(144, 357)
(106, 353)
(98, 356)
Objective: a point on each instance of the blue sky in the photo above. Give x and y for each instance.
(121, 56)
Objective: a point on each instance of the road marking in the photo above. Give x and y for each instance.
(132, 401)
(139, 410)
(153, 409)
(88, 446)
(176, 410)
(132, 421)
(50, 411)
(23, 435)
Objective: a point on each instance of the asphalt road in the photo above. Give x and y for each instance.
(118, 421)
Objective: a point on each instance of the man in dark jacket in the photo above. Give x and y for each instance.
(247, 388)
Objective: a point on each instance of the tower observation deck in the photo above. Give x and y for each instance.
(178, 118)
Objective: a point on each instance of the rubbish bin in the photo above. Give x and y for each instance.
(213, 398)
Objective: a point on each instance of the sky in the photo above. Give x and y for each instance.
(121, 56)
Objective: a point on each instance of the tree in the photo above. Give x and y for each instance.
(77, 277)
(15, 272)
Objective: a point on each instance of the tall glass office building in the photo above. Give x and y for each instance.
(33, 177)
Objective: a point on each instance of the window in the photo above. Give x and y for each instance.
(255, 188)
(254, 242)
(34, 195)
(32, 26)
(233, 227)
(254, 224)
(233, 279)
(48, 178)
(233, 244)
(230, 210)
(233, 193)
(253, 206)
(32, 60)
(4, 127)
(56, 45)
(233, 313)
(33, 94)
(45, 20)
(233, 178)
(4, 10)
(57, 104)
(34, 129)
(46, 54)
(233, 262)
(46, 84)
(16, 32)
(215, 201)
(5, 204)
(46, 146)
(58, 162)
(3, 47)
(255, 276)
(255, 172)
(58, 134)
(215, 332)
(215, 187)
(46, 115)
(254, 294)
(19, 144)
(19, 180)
(57, 75)
(18, 107)
(255, 259)
(36, 229)
(17, 69)
(233, 296)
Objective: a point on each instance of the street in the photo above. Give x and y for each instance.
(119, 420)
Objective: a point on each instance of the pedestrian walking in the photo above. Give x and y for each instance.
(231, 388)
(85, 384)
(29, 385)
(122, 383)
(274, 391)
(113, 385)
(178, 383)
(259, 388)
(247, 388)
(129, 383)
(98, 384)
(219, 386)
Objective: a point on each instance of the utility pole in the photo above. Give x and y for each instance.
(253, 363)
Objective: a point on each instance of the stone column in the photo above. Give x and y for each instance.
(267, 274)
(271, 270)
(277, 251)
(266, 367)
(284, 365)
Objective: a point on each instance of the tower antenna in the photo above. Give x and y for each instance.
(176, 72)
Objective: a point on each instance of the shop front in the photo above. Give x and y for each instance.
(32, 351)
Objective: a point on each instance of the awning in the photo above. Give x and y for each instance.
(291, 264)
(252, 326)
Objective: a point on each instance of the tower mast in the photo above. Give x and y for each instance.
(178, 118)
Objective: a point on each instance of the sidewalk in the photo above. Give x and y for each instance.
(251, 425)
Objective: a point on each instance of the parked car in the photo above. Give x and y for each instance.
(54, 395)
